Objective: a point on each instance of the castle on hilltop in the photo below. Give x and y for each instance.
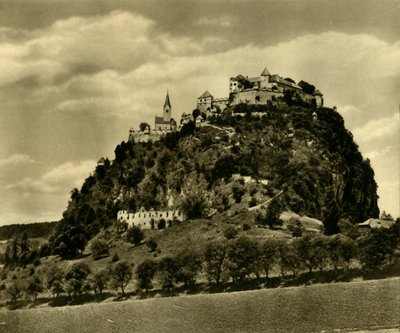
(263, 89)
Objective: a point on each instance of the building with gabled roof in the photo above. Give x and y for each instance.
(372, 223)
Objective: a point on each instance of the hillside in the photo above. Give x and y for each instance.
(233, 163)
(33, 230)
(348, 307)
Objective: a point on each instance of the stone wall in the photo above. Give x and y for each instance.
(149, 219)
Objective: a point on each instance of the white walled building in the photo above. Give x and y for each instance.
(149, 219)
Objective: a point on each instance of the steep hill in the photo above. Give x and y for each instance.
(232, 163)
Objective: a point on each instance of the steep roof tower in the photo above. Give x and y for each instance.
(167, 109)
(265, 72)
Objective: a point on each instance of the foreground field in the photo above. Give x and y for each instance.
(356, 306)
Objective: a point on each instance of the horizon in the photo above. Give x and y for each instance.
(75, 77)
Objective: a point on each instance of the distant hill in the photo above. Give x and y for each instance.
(238, 160)
(33, 230)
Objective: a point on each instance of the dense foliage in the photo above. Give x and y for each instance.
(314, 163)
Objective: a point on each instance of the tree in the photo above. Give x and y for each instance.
(100, 280)
(292, 260)
(134, 235)
(189, 266)
(306, 251)
(238, 190)
(145, 273)
(54, 280)
(143, 126)
(295, 228)
(282, 249)
(121, 275)
(271, 216)
(34, 286)
(268, 255)
(196, 113)
(321, 254)
(166, 272)
(347, 250)
(241, 255)
(348, 229)
(386, 216)
(375, 248)
(215, 255)
(76, 276)
(120, 226)
(24, 249)
(99, 249)
(14, 290)
(152, 244)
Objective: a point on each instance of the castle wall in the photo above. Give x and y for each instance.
(149, 219)
(222, 103)
(147, 137)
(254, 96)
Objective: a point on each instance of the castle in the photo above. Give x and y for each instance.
(263, 89)
(152, 219)
(260, 90)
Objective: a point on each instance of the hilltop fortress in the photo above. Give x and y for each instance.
(265, 89)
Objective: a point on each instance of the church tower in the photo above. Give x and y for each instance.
(167, 109)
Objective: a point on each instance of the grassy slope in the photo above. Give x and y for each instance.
(349, 306)
(189, 235)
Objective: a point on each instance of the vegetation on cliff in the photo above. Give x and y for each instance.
(313, 161)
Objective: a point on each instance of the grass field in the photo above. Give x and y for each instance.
(355, 306)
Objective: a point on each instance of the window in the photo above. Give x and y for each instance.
(167, 214)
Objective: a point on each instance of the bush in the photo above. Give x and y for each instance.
(115, 257)
(134, 235)
(152, 244)
(246, 227)
(99, 249)
(230, 232)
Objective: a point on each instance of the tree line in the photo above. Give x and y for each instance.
(221, 262)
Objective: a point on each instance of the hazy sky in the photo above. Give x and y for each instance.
(76, 75)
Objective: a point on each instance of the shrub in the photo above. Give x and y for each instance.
(230, 232)
(115, 257)
(134, 235)
(152, 244)
(99, 249)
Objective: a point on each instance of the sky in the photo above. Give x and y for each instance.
(75, 76)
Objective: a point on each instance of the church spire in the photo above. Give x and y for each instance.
(167, 109)
(265, 72)
(167, 102)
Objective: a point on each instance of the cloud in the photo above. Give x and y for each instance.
(16, 159)
(77, 86)
(56, 181)
(221, 21)
(378, 128)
